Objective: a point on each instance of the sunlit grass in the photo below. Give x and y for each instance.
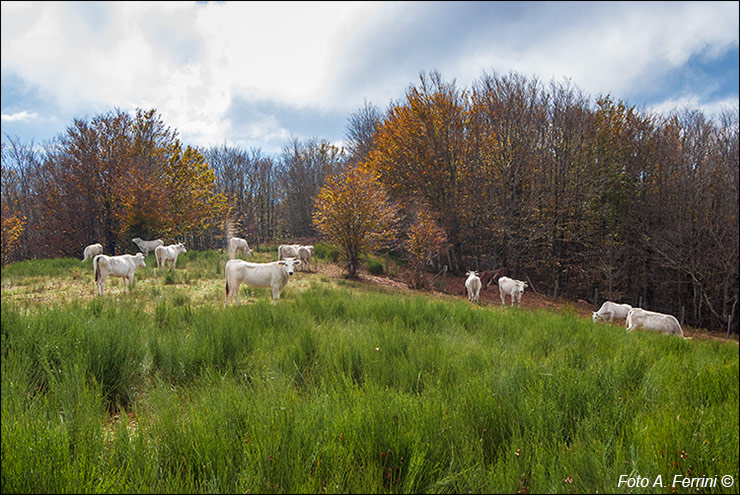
(342, 388)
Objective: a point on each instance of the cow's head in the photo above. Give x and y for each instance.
(181, 247)
(289, 264)
(140, 259)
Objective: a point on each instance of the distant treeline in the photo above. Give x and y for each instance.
(589, 199)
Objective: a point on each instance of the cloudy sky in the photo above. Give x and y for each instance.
(256, 75)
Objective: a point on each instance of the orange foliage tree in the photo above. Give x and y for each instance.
(354, 211)
(421, 152)
(12, 228)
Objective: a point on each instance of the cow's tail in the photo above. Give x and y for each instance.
(96, 269)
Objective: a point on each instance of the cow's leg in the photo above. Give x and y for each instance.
(101, 283)
(235, 292)
(275, 294)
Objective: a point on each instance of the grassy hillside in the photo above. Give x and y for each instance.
(341, 387)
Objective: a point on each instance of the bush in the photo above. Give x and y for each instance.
(326, 251)
(375, 267)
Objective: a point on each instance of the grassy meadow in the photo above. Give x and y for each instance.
(342, 387)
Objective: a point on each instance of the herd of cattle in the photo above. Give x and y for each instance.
(634, 317)
(275, 275)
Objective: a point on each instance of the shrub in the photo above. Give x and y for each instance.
(326, 251)
(375, 267)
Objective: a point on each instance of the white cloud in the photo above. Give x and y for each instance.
(20, 116)
(614, 49)
(191, 61)
(711, 109)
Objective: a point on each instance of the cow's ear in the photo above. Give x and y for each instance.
(297, 262)
(281, 263)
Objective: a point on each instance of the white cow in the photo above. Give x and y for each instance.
(650, 320)
(473, 284)
(288, 251)
(610, 310)
(122, 266)
(91, 251)
(238, 244)
(510, 287)
(304, 254)
(273, 275)
(169, 253)
(146, 246)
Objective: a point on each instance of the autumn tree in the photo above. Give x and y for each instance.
(193, 203)
(506, 132)
(354, 211)
(425, 238)
(12, 228)
(420, 152)
(19, 173)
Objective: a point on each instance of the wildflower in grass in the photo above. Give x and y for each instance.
(518, 452)
(568, 480)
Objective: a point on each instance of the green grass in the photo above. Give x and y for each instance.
(343, 388)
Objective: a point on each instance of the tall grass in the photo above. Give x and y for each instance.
(339, 389)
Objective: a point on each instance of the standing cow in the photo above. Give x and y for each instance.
(651, 320)
(122, 266)
(473, 285)
(92, 251)
(610, 310)
(510, 287)
(304, 254)
(274, 275)
(169, 253)
(238, 244)
(288, 251)
(146, 246)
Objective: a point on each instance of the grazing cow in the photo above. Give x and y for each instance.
(650, 320)
(510, 287)
(169, 253)
(92, 251)
(273, 275)
(489, 277)
(610, 310)
(473, 284)
(238, 244)
(288, 251)
(122, 266)
(146, 246)
(304, 254)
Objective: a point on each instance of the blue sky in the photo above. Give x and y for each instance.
(255, 75)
